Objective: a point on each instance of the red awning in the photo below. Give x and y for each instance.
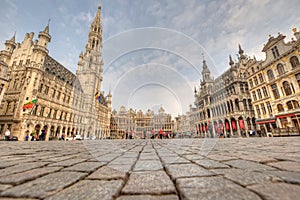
(287, 115)
(233, 124)
(241, 123)
(266, 122)
(227, 126)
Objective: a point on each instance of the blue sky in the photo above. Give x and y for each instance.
(148, 67)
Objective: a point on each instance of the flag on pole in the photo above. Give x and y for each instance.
(29, 104)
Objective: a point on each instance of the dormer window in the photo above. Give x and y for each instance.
(275, 52)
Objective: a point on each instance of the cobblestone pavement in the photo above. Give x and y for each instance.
(237, 168)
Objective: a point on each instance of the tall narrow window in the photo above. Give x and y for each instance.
(270, 74)
(257, 110)
(298, 79)
(254, 96)
(261, 78)
(275, 91)
(259, 94)
(265, 91)
(255, 80)
(263, 108)
(294, 62)
(280, 69)
(269, 107)
(287, 88)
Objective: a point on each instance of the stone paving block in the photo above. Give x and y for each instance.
(107, 157)
(221, 157)
(187, 170)
(147, 165)
(67, 163)
(258, 158)
(123, 161)
(28, 175)
(84, 167)
(5, 164)
(276, 191)
(44, 186)
(245, 177)
(106, 172)
(4, 187)
(6, 198)
(57, 158)
(90, 189)
(249, 165)
(21, 168)
(286, 165)
(210, 164)
(148, 197)
(121, 168)
(155, 182)
(290, 177)
(148, 156)
(193, 157)
(175, 160)
(212, 188)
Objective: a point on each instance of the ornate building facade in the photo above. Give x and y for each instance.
(275, 86)
(224, 104)
(123, 122)
(66, 103)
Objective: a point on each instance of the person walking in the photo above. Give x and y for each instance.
(27, 137)
(161, 134)
(7, 135)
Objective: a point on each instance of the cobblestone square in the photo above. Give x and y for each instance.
(264, 168)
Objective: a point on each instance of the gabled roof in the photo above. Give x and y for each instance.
(273, 41)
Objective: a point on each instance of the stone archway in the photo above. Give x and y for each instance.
(242, 126)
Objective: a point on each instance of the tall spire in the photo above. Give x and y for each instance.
(95, 34)
(205, 71)
(13, 39)
(230, 61)
(241, 51)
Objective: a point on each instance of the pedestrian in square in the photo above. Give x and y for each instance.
(7, 135)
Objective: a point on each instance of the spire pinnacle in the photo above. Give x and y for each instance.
(47, 27)
(230, 61)
(13, 39)
(241, 51)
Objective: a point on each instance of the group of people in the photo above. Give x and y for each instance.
(153, 135)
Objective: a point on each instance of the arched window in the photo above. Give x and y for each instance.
(287, 88)
(270, 74)
(280, 108)
(280, 69)
(292, 104)
(294, 61)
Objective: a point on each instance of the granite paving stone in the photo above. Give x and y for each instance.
(66, 163)
(187, 170)
(250, 165)
(44, 186)
(210, 164)
(148, 197)
(229, 168)
(90, 189)
(84, 167)
(122, 168)
(245, 177)
(28, 175)
(21, 168)
(276, 191)
(147, 165)
(286, 165)
(4, 187)
(212, 188)
(154, 182)
(106, 172)
(290, 177)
